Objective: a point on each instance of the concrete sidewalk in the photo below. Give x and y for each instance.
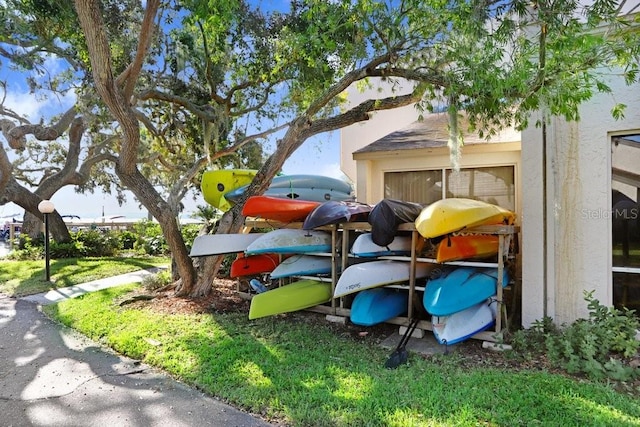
(51, 375)
(61, 294)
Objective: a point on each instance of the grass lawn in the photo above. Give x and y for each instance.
(300, 370)
(19, 278)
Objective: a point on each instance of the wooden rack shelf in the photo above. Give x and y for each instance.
(341, 238)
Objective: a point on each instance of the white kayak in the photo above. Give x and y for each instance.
(363, 246)
(220, 244)
(291, 241)
(366, 275)
(464, 324)
(302, 265)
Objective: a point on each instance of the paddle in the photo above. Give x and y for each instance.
(400, 355)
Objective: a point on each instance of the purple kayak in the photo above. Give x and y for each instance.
(336, 212)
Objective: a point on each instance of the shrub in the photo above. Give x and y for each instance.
(73, 249)
(127, 239)
(156, 281)
(150, 238)
(97, 243)
(597, 346)
(27, 249)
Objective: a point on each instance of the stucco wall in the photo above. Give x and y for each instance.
(381, 123)
(578, 223)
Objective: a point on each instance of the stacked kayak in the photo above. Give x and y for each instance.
(302, 265)
(454, 248)
(336, 212)
(460, 289)
(216, 183)
(252, 265)
(463, 324)
(373, 274)
(456, 214)
(292, 297)
(364, 246)
(225, 187)
(377, 305)
(461, 301)
(316, 188)
(299, 246)
(387, 215)
(221, 244)
(278, 208)
(290, 241)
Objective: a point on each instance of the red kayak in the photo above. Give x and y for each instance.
(254, 264)
(278, 208)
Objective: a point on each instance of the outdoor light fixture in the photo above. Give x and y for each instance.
(46, 207)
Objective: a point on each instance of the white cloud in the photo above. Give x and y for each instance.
(33, 109)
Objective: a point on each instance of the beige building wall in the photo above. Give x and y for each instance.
(567, 249)
(382, 123)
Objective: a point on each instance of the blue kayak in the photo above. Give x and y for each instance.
(317, 188)
(377, 305)
(461, 288)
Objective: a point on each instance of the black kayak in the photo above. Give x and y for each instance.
(387, 215)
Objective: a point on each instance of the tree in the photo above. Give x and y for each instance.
(68, 150)
(227, 64)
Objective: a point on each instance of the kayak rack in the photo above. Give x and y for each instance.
(341, 237)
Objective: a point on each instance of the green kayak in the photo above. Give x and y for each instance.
(293, 297)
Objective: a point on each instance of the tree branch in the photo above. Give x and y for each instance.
(146, 33)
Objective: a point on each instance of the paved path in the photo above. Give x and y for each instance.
(52, 376)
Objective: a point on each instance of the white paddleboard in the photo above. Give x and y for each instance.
(366, 275)
(220, 244)
(302, 265)
(363, 246)
(464, 324)
(291, 241)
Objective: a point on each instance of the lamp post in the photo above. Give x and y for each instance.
(46, 207)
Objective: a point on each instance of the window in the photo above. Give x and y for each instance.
(625, 221)
(494, 185)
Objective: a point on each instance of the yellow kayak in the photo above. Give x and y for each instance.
(449, 215)
(215, 184)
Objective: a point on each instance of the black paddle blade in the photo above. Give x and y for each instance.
(400, 354)
(397, 358)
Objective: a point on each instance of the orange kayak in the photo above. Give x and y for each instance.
(253, 264)
(278, 208)
(453, 248)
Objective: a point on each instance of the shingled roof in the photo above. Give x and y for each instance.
(432, 132)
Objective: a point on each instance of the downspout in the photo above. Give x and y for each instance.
(545, 268)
